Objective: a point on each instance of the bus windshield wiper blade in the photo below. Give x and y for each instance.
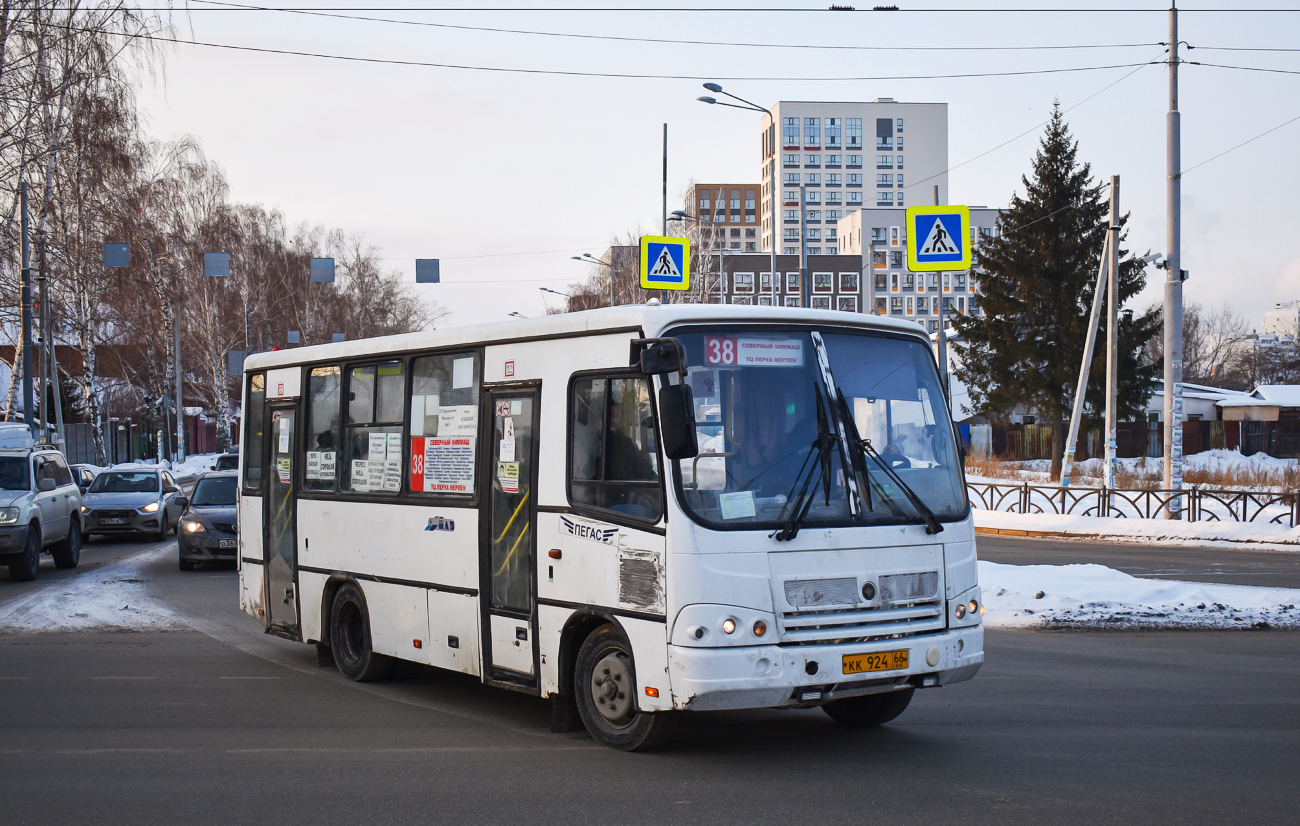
(836, 404)
(818, 461)
(932, 524)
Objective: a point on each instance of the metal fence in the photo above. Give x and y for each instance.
(1198, 505)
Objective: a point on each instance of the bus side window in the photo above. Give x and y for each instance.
(253, 412)
(321, 444)
(613, 456)
(444, 406)
(373, 434)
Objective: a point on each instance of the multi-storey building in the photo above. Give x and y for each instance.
(848, 156)
(727, 217)
(878, 237)
(836, 281)
(1283, 320)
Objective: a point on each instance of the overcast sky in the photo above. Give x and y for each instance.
(504, 176)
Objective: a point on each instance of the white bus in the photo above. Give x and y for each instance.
(634, 511)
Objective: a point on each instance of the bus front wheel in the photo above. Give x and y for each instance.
(605, 684)
(869, 710)
(350, 638)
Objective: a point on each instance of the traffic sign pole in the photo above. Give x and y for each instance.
(943, 342)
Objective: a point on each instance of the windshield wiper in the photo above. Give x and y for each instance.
(932, 524)
(819, 460)
(848, 460)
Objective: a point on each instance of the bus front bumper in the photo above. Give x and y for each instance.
(774, 676)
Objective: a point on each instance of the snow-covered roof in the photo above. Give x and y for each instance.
(1282, 395)
(1245, 401)
(1202, 391)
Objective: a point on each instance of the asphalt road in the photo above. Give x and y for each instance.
(1242, 565)
(228, 726)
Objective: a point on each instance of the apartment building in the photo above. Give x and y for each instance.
(726, 218)
(1283, 320)
(844, 156)
(878, 238)
(746, 278)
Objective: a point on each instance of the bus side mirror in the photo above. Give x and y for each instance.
(658, 356)
(677, 416)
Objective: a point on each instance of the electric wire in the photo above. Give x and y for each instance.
(670, 41)
(1242, 68)
(614, 75)
(1238, 146)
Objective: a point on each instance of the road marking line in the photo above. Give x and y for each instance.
(123, 678)
(252, 678)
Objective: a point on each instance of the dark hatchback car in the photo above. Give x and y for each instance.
(207, 530)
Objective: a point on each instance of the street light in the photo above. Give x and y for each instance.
(556, 292)
(717, 89)
(517, 314)
(682, 215)
(588, 258)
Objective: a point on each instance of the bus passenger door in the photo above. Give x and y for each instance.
(508, 538)
(280, 539)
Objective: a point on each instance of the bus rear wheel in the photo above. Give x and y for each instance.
(869, 710)
(350, 638)
(605, 684)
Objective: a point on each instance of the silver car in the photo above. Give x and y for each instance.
(133, 501)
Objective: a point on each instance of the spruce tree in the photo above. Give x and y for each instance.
(1036, 279)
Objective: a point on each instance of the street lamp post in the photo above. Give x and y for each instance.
(588, 258)
(717, 89)
(682, 215)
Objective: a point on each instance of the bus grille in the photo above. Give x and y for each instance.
(909, 604)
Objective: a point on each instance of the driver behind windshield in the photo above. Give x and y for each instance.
(770, 435)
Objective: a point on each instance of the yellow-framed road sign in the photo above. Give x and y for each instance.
(665, 263)
(938, 238)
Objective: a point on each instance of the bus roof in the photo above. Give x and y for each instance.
(648, 318)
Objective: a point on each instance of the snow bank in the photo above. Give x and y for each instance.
(1094, 596)
(191, 468)
(1132, 529)
(111, 598)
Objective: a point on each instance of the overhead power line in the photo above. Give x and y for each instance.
(623, 75)
(663, 40)
(1243, 143)
(1243, 68)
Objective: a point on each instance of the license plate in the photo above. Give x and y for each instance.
(113, 520)
(227, 543)
(879, 661)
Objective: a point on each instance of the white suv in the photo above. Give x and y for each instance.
(40, 508)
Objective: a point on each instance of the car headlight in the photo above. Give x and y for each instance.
(193, 527)
(150, 508)
(85, 509)
(8, 516)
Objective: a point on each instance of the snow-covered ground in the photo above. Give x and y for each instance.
(102, 599)
(1166, 531)
(1094, 596)
(191, 468)
(1088, 473)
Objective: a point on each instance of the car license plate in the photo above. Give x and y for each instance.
(880, 661)
(227, 543)
(112, 520)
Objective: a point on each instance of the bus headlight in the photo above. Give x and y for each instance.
(967, 608)
(8, 516)
(703, 625)
(961, 611)
(728, 626)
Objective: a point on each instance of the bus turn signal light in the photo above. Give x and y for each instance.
(554, 553)
(760, 628)
(418, 643)
(651, 692)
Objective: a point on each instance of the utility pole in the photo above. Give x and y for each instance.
(804, 300)
(1112, 339)
(771, 159)
(42, 322)
(663, 294)
(1090, 341)
(29, 403)
(51, 348)
(180, 411)
(1173, 395)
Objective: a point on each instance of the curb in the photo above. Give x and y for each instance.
(1112, 536)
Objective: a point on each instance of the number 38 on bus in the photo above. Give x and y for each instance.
(637, 512)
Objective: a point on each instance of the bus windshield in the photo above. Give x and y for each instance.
(767, 430)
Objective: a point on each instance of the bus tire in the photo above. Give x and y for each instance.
(870, 709)
(350, 638)
(24, 564)
(604, 682)
(67, 553)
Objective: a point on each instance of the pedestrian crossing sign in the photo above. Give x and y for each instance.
(938, 238)
(665, 263)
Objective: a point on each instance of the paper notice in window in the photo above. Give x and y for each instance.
(769, 352)
(736, 505)
(458, 420)
(394, 452)
(507, 452)
(312, 471)
(328, 459)
(360, 476)
(378, 447)
(462, 373)
(393, 475)
(447, 466)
